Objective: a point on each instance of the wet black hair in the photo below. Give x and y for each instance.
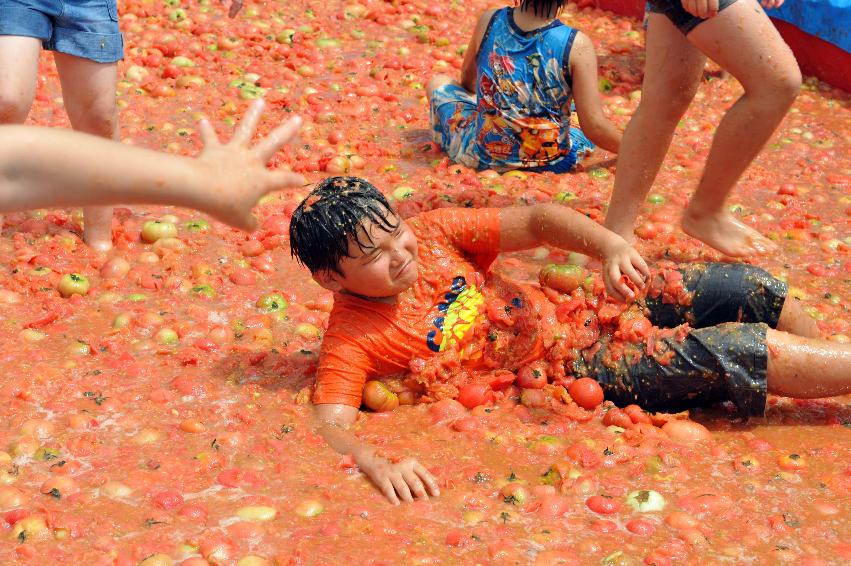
(331, 215)
(542, 8)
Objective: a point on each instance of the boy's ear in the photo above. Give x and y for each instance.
(328, 279)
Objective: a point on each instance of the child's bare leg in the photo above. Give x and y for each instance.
(671, 76)
(742, 40)
(795, 321)
(807, 368)
(438, 81)
(88, 89)
(18, 70)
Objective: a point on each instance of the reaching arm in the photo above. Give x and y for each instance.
(525, 227)
(403, 480)
(225, 180)
(586, 95)
(468, 67)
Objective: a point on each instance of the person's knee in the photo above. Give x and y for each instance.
(782, 89)
(99, 116)
(14, 105)
(789, 85)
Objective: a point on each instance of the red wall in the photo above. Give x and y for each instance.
(815, 56)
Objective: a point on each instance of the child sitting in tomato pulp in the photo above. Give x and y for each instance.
(410, 292)
(522, 70)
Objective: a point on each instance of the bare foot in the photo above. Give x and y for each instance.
(97, 231)
(726, 234)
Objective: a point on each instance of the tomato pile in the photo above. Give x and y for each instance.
(155, 400)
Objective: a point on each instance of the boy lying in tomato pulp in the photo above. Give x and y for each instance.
(407, 293)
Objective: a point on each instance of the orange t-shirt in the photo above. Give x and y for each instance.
(369, 339)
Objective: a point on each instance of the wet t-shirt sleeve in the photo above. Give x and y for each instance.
(343, 370)
(472, 231)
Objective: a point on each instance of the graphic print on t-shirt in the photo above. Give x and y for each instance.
(457, 314)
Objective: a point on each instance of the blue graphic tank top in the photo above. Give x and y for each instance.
(524, 92)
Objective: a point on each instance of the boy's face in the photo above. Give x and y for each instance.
(381, 270)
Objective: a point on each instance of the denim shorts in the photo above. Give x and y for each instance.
(675, 12)
(83, 28)
(721, 356)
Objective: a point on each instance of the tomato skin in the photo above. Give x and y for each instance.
(687, 431)
(584, 454)
(501, 379)
(604, 526)
(458, 538)
(378, 397)
(602, 505)
(242, 276)
(641, 527)
(565, 278)
(446, 410)
(586, 392)
(657, 560)
(532, 376)
(475, 394)
(554, 505)
(617, 417)
(500, 312)
(166, 500)
(636, 414)
(196, 513)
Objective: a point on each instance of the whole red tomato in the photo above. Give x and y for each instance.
(586, 392)
(475, 394)
(532, 376)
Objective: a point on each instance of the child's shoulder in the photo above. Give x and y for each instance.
(451, 217)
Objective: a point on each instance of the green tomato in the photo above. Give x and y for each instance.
(73, 284)
(78, 348)
(598, 173)
(564, 277)
(327, 42)
(564, 196)
(177, 15)
(402, 192)
(167, 336)
(307, 330)
(285, 36)
(655, 199)
(136, 297)
(646, 500)
(605, 85)
(153, 230)
(181, 61)
(121, 320)
(309, 508)
(199, 225)
(545, 445)
(551, 477)
(41, 271)
(251, 92)
(204, 291)
(272, 303)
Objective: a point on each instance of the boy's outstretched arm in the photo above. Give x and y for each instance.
(403, 480)
(48, 167)
(525, 227)
(586, 95)
(469, 71)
